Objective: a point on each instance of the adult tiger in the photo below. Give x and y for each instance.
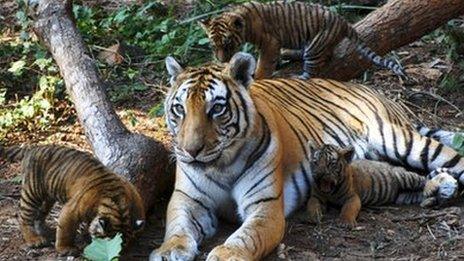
(89, 191)
(295, 25)
(241, 148)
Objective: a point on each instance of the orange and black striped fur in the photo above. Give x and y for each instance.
(241, 149)
(311, 29)
(351, 183)
(90, 193)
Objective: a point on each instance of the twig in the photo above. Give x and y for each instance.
(198, 17)
(431, 233)
(423, 216)
(439, 98)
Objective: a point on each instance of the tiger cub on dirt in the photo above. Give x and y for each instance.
(89, 193)
(350, 184)
(310, 30)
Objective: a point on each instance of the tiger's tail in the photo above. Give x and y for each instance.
(13, 153)
(443, 136)
(378, 60)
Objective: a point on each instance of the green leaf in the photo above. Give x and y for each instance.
(43, 63)
(156, 111)
(104, 249)
(458, 143)
(17, 67)
(203, 41)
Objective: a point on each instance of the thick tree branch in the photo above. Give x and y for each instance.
(393, 25)
(140, 159)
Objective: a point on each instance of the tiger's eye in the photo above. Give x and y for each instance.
(217, 108)
(179, 109)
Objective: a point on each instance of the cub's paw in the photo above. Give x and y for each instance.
(314, 211)
(315, 217)
(229, 253)
(67, 251)
(37, 242)
(347, 223)
(304, 76)
(178, 249)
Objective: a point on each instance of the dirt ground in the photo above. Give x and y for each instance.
(390, 232)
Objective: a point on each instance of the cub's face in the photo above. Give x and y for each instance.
(125, 216)
(225, 34)
(209, 111)
(327, 165)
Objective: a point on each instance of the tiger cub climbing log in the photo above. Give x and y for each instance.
(311, 28)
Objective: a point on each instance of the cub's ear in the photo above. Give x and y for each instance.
(139, 223)
(238, 23)
(204, 23)
(102, 225)
(313, 150)
(242, 68)
(347, 153)
(174, 68)
(312, 146)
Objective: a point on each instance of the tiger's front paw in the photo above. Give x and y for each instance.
(223, 252)
(177, 248)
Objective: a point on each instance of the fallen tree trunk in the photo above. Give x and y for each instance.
(140, 159)
(393, 25)
(352, 2)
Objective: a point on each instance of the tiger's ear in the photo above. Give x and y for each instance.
(174, 68)
(204, 23)
(347, 153)
(241, 68)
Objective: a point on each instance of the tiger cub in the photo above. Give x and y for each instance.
(89, 192)
(347, 183)
(311, 29)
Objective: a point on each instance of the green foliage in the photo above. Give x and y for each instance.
(104, 249)
(458, 143)
(30, 112)
(451, 37)
(156, 111)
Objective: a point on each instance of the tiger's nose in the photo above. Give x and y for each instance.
(194, 151)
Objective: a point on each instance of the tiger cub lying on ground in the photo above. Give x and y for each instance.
(313, 29)
(89, 191)
(350, 184)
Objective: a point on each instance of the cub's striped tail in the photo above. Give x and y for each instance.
(13, 153)
(378, 60)
(410, 184)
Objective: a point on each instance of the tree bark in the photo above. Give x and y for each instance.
(353, 2)
(393, 25)
(140, 159)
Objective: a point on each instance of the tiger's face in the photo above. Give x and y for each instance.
(225, 34)
(209, 110)
(124, 215)
(328, 164)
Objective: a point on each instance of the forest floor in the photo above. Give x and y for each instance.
(388, 232)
